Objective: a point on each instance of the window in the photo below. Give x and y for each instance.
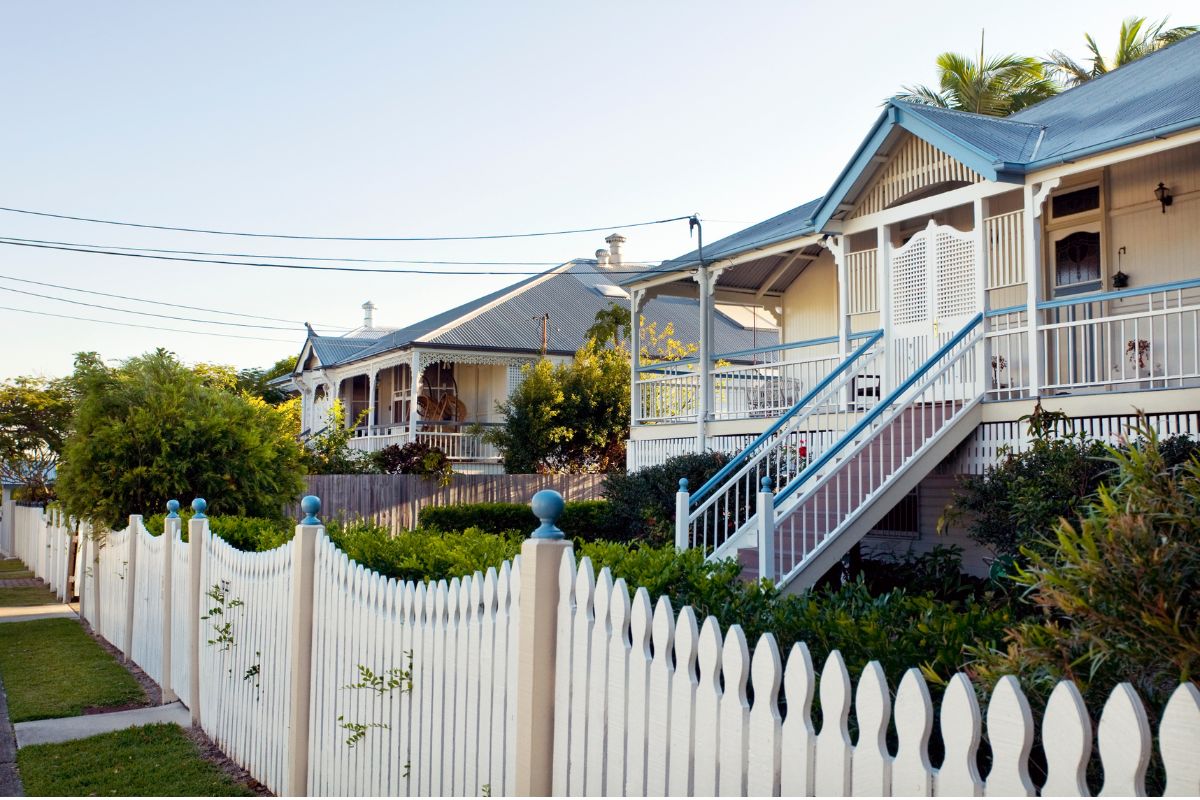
(1076, 202)
(1077, 262)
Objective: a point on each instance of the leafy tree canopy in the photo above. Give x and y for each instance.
(152, 429)
(35, 417)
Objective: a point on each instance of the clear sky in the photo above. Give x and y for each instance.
(399, 119)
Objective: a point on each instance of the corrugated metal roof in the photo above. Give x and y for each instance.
(1155, 94)
(571, 298)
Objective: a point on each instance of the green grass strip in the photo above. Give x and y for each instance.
(155, 760)
(51, 668)
(26, 596)
(13, 568)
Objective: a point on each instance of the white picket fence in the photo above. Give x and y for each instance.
(43, 542)
(303, 661)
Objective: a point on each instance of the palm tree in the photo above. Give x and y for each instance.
(996, 86)
(1137, 38)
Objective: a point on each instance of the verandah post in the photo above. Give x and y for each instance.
(537, 650)
(135, 524)
(304, 551)
(197, 533)
(682, 510)
(170, 529)
(766, 530)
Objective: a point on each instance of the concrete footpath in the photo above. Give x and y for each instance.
(27, 613)
(66, 729)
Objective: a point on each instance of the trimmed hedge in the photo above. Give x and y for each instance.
(581, 519)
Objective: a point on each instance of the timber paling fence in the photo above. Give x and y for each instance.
(321, 677)
(394, 501)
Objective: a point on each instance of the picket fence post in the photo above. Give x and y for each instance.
(304, 554)
(682, 503)
(541, 559)
(170, 529)
(197, 533)
(766, 530)
(131, 548)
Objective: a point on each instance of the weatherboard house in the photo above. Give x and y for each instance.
(960, 270)
(469, 359)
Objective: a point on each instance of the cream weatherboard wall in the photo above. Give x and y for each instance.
(810, 302)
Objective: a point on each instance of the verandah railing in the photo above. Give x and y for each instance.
(546, 676)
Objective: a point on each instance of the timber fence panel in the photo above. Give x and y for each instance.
(148, 604)
(180, 575)
(112, 551)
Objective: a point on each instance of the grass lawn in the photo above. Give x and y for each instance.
(51, 668)
(26, 595)
(157, 760)
(13, 568)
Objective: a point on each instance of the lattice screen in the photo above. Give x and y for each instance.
(514, 378)
(1006, 249)
(910, 290)
(956, 281)
(915, 165)
(861, 280)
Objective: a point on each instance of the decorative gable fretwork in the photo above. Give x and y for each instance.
(915, 165)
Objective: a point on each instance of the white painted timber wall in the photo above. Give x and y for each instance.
(646, 701)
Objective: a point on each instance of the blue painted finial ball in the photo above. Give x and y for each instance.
(683, 484)
(310, 505)
(766, 483)
(547, 506)
(199, 506)
(173, 509)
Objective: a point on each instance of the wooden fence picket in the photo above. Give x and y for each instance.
(1123, 737)
(1067, 740)
(834, 752)
(871, 766)
(1010, 733)
(766, 725)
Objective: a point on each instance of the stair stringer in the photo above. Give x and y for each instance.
(860, 522)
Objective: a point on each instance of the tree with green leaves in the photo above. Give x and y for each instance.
(993, 85)
(152, 429)
(1138, 37)
(35, 418)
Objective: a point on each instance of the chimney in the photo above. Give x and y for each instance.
(602, 258)
(614, 245)
(368, 314)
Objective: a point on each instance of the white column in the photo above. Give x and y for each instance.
(635, 356)
(682, 512)
(1033, 278)
(170, 531)
(704, 395)
(415, 384)
(197, 534)
(982, 373)
(766, 530)
(135, 525)
(371, 382)
(883, 284)
(300, 646)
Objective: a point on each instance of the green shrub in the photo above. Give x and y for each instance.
(413, 458)
(423, 555)
(249, 534)
(643, 502)
(581, 519)
(1119, 592)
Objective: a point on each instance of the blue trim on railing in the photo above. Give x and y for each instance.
(1079, 300)
(996, 312)
(756, 350)
(875, 412)
(825, 382)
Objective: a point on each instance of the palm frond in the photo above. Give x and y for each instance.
(923, 95)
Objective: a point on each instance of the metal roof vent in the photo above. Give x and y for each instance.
(602, 258)
(614, 245)
(368, 314)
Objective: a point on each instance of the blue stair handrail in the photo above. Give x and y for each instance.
(736, 462)
(876, 412)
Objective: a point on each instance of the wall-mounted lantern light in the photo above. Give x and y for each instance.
(1163, 195)
(1120, 280)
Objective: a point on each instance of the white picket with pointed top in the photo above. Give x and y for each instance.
(564, 672)
(961, 725)
(659, 727)
(1010, 733)
(581, 646)
(684, 684)
(514, 639)
(500, 678)
(766, 725)
(735, 714)
(912, 774)
(834, 752)
(639, 694)
(1123, 739)
(1067, 741)
(707, 753)
(618, 688)
(871, 771)
(799, 739)
(597, 708)
(1179, 742)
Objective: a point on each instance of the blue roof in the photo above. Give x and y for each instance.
(571, 294)
(1154, 96)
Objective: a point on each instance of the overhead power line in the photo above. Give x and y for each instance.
(165, 303)
(146, 327)
(146, 313)
(216, 232)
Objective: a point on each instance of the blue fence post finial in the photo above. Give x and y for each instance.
(765, 483)
(683, 484)
(547, 506)
(310, 505)
(199, 505)
(172, 509)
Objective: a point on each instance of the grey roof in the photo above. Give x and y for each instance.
(570, 294)
(1153, 96)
